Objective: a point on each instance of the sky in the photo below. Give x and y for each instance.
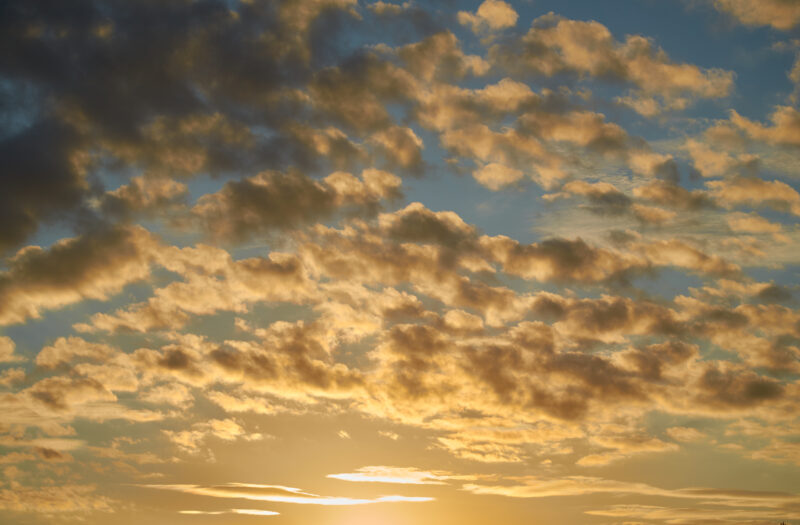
(356, 262)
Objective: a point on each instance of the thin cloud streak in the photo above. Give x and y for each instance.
(280, 494)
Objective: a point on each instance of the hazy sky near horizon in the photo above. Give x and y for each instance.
(355, 262)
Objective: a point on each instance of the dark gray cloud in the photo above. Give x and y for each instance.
(167, 87)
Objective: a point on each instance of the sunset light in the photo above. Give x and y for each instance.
(402, 262)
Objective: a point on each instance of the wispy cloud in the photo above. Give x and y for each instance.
(280, 494)
(247, 512)
(399, 475)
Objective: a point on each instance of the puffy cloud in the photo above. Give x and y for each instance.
(555, 44)
(440, 57)
(780, 14)
(65, 349)
(290, 361)
(728, 387)
(669, 194)
(477, 345)
(560, 260)
(445, 106)
(491, 14)
(144, 194)
(38, 186)
(276, 201)
(7, 347)
(496, 176)
(584, 128)
(331, 143)
(509, 147)
(756, 192)
(784, 130)
(12, 377)
(794, 77)
(651, 214)
(174, 394)
(604, 198)
(298, 17)
(92, 266)
(751, 223)
(417, 224)
(61, 393)
(387, 8)
(712, 163)
(156, 120)
(224, 285)
(355, 92)
(401, 146)
(675, 252)
(226, 429)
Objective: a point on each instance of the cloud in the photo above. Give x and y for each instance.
(751, 223)
(535, 487)
(38, 187)
(144, 195)
(496, 176)
(330, 143)
(439, 57)
(691, 514)
(621, 446)
(216, 284)
(604, 198)
(154, 119)
(555, 44)
(446, 106)
(280, 494)
(669, 194)
(92, 266)
(780, 14)
(68, 498)
(387, 8)
(677, 253)
(62, 393)
(728, 387)
(559, 260)
(244, 403)
(713, 163)
(174, 394)
(64, 350)
(274, 201)
(355, 92)
(685, 434)
(245, 512)
(402, 147)
(227, 125)
(491, 14)
(7, 347)
(398, 475)
(755, 192)
(225, 429)
(12, 377)
(783, 132)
